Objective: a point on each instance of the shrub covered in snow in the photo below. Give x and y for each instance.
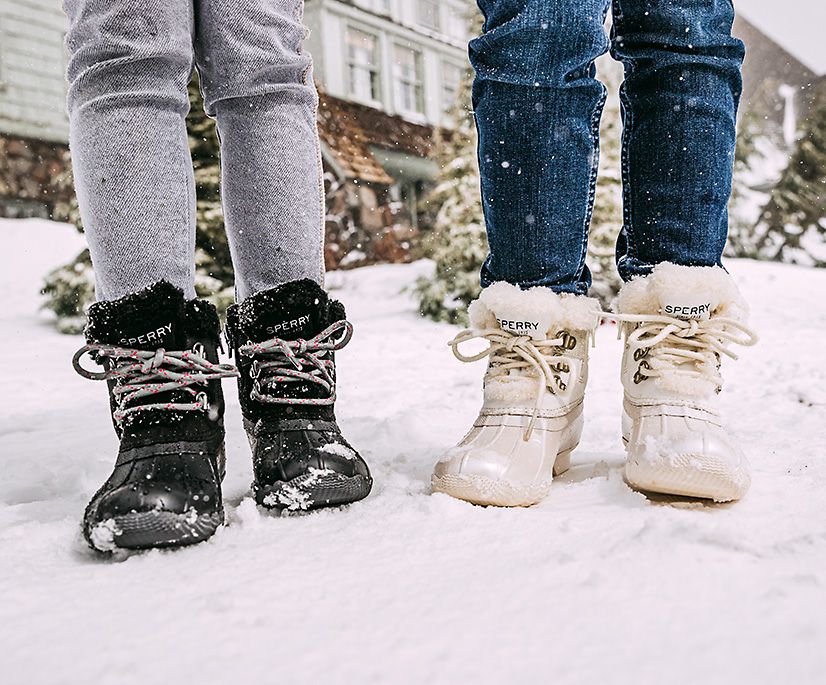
(457, 243)
(792, 225)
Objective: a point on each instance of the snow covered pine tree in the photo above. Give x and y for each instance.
(458, 243)
(792, 225)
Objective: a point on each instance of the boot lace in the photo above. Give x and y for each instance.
(545, 359)
(144, 373)
(666, 346)
(277, 362)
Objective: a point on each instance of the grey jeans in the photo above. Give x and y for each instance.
(130, 62)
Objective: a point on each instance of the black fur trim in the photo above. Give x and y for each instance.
(113, 321)
(335, 312)
(298, 309)
(202, 320)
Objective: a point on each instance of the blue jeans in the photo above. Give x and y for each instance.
(538, 107)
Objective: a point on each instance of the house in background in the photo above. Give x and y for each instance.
(33, 123)
(388, 71)
(779, 83)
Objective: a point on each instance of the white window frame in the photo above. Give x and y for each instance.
(445, 64)
(377, 6)
(419, 84)
(348, 63)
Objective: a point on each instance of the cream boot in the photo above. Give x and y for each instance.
(531, 417)
(677, 324)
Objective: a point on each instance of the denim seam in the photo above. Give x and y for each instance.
(627, 130)
(482, 194)
(596, 116)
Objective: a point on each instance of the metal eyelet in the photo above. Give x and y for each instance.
(640, 353)
(568, 341)
(639, 376)
(255, 369)
(203, 398)
(198, 348)
(560, 383)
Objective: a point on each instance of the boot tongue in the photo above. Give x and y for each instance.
(150, 319)
(298, 309)
(695, 306)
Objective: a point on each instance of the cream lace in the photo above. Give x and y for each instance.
(543, 358)
(666, 346)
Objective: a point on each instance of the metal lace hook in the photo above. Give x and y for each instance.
(76, 365)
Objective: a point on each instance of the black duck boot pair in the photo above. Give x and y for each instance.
(159, 354)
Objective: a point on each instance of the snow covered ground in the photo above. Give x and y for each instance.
(597, 584)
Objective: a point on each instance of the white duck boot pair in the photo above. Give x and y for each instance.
(676, 323)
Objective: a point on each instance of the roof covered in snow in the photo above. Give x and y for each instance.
(795, 25)
(349, 130)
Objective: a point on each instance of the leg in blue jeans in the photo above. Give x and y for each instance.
(537, 108)
(679, 102)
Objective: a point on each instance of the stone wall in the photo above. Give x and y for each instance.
(30, 173)
(364, 227)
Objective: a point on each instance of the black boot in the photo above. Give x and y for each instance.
(160, 358)
(284, 341)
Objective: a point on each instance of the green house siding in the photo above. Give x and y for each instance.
(32, 64)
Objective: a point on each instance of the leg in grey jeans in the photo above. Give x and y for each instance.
(130, 63)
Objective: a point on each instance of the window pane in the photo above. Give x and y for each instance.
(361, 47)
(362, 54)
(407, 67)
(456, 25)
(429, 13)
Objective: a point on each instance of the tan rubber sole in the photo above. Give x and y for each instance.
(682, 478)
(496, 492)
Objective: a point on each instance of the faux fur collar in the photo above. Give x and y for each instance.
(298, 309)
(672, 282)
(566, 311)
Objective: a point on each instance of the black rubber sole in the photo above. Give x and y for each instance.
(312, 491)
(153, 529)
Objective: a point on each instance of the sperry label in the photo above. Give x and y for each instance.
(687, 310)
(148, 338)
(536, 329)
(290, 325)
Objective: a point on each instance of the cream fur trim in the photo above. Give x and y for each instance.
(567, 311)
(669, 282)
